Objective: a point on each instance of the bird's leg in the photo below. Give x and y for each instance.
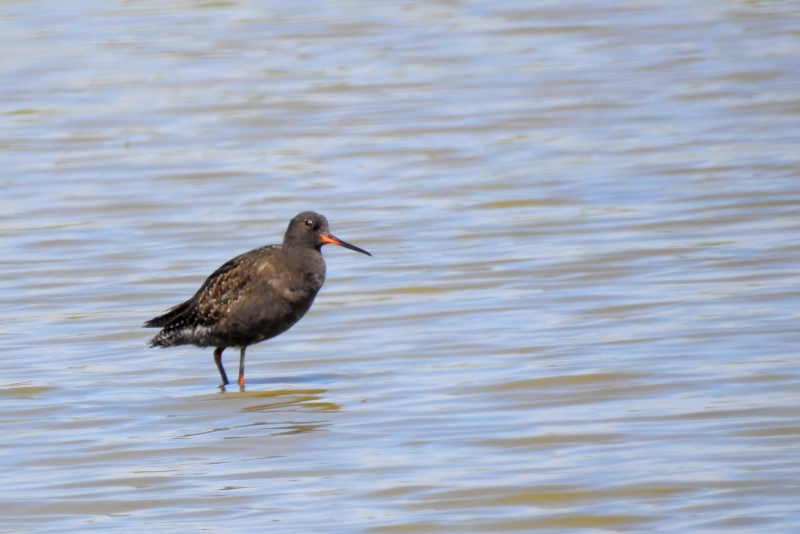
(241, 368)
(218, 361)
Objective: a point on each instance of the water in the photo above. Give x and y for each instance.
(581, 313)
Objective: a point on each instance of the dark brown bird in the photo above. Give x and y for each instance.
(253, 297)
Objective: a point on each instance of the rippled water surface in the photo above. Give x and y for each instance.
(582, 309)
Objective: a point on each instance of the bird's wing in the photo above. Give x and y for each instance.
(220, 291)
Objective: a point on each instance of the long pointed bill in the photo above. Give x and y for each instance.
(329, 239)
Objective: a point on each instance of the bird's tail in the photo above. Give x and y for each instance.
(172, 324)
(168, 338)
(171, 317)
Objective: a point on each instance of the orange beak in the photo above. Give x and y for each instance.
(327, 239)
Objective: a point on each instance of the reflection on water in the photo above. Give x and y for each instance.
(581, 313)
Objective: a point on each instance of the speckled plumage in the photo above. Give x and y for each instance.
(254, 296)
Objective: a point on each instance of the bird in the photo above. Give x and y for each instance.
(254, 296)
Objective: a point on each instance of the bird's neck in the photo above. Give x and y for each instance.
(303, 260)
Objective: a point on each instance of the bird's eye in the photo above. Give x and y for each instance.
(309, 222)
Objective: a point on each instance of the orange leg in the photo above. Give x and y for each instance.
(241, 368)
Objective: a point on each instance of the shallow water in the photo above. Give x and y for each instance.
(581, 313)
